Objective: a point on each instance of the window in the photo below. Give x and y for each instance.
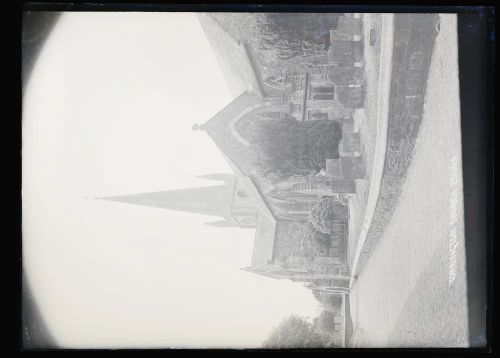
(322, 93)
(276, 81)
(270, 115)
(242, 194)
(313, 115)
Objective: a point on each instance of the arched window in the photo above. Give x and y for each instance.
(278, 82)
(314, 114)
(322, 93)
(242, 194)
(270, 115)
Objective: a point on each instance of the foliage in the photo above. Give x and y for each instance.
(352, 97)
(296, 332)
(329, 301)
(327, 212)
(287, 35)
(346, 75)
(323, 240)
(288, 147)
(325, 322)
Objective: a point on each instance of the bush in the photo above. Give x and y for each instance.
(321, 239)
(296, 332)
(325, 322)
(352, 97)
(288, 147)
(329, 301)
(327, 213)
(289, 35)
(346, 75)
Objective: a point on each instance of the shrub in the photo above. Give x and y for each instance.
(352, 97)
(325, 322)
(290, 35)
(346, 75)
(330, 302)
(288, 147)
(328, 212)
(296, 332)
(321, 239)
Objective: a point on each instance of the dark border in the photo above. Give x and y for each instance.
(476, 68)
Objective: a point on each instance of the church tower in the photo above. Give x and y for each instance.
(222, 201)
(209, 200)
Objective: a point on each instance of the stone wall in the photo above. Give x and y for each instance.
(413, 45)
(299, 246)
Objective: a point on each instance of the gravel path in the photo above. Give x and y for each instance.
(365, 121)
(403, 297)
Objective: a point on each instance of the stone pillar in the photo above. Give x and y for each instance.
(350, 25)
(344, 186)
(333, 168)
(353, 167)
(338, 36)
(350, 144)
(346, 168)
(347, 125)
(346, 75)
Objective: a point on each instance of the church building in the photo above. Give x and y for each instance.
(307, 89)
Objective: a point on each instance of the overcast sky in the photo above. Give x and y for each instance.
(108, 111)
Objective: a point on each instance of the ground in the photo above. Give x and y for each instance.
(365, 120)
(403, 296)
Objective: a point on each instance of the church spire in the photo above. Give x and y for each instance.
(227, 178)
(210, 200)
(197, 126)
(222, 223)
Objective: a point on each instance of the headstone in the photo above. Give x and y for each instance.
(352, 168)
(341, 186)
(352, 96)
(333, 168)
(346, 168)
(350, 25)
(350, 143)
(338, 36)
(347, 126)
(346, 52)
(345, 75)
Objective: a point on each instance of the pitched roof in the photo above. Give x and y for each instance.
(232, 56)
(222, 129)
(264, 241)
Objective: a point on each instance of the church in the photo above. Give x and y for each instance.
(326, 86)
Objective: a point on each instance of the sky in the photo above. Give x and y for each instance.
(108, 111)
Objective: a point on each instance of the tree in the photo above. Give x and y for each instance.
(296, 332)
(288, 35)
(288, 147)
(330, 302)
(325, 322)
(326, 213)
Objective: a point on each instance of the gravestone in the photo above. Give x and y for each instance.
(347, 125)
(350, 25)
(345, 52)
(353, 167)
(350, 143)
(333, 168)
(346, 75)
(338, 36)
(342, 186)
(352, 96)
(346, 168)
